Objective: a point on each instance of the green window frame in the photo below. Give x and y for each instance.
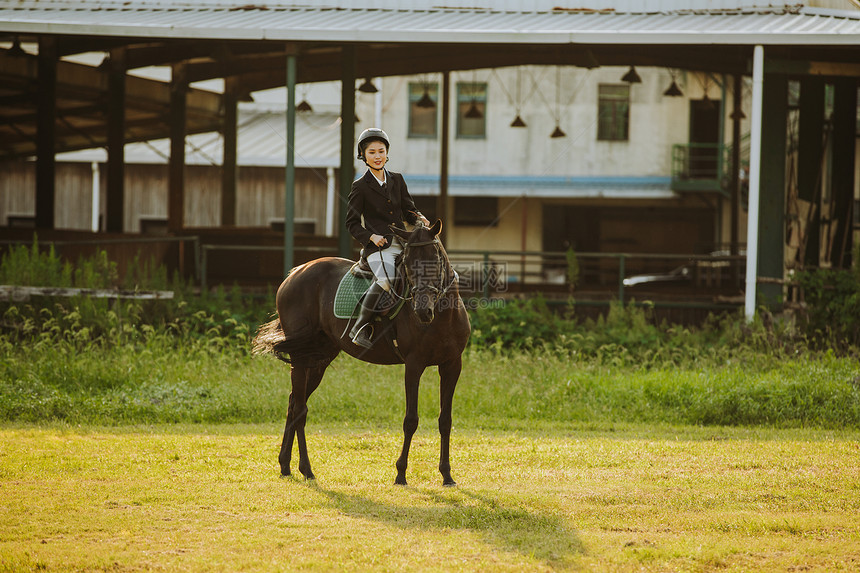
(613, 112)
(471, 97)
(423, 120)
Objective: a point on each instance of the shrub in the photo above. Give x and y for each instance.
(221, 318)
(33, 266)
(832, 313)
(515, 325)
(629, 335)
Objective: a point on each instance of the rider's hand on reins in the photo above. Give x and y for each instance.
(378, 240)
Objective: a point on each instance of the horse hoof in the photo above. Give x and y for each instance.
(449, 483)
(310, 477)
(400, 481)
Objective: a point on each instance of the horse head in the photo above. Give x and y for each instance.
(426, 268)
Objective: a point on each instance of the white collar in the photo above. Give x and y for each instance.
(384, 174)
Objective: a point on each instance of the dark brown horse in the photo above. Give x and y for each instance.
(431, 329)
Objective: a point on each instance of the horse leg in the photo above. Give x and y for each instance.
(296, 411)
(449, 373)
(300, 374)
(305, 379)
(287, 442)
(286, 452)
(312, 382)
(410, 421)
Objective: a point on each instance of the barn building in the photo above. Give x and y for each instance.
(528, 127)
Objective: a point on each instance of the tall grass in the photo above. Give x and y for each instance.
(114, 321)
(87, 361)
(161, 380)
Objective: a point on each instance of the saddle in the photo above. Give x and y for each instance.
(353, 285)
(361, 268)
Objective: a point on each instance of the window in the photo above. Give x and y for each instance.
(476, 211)
(153, 226)
(422, 115)
(472, 110)
(613, 112)
(21, 221)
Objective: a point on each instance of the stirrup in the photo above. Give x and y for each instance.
(362, 339)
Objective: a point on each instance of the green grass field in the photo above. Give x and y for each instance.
(144, 437)
(564, 497)
(156, 450)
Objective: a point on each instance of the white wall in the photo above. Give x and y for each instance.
(656, 122)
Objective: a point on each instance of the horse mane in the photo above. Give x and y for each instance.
(449, 271)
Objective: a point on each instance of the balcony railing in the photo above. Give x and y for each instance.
(700, 167)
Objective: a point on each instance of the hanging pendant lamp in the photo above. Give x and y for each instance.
(518, 121)
(673, 90)
(631, 77)
(426, 101)
(367, 87)
(557, 132)
(473, 112)
(304, 106)
(16, 50)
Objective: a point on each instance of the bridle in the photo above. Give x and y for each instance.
(438, 292)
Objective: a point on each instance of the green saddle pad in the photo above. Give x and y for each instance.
(348, 293)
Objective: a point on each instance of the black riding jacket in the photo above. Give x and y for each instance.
(372, 207)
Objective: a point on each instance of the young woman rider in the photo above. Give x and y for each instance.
(378, 199)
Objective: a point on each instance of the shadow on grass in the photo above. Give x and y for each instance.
(540, 536)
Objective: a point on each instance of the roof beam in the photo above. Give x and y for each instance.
(81, 95)
(70, 45)
(165, 53)
(395, 60)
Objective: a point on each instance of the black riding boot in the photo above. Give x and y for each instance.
(362, 330)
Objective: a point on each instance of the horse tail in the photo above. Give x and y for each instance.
(268, 338)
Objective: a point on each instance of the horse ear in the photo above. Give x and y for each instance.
(399, 232)
(437, 227)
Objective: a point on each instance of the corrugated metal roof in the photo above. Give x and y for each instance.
(536, 25)
(261, 142)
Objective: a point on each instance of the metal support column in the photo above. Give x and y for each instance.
(771, 246)
(347, 147)
(176, 184)
(442, 202)
(290, 176)
(46, 133)
(754, 183)
(810, 164)
(737, 112)
(842, 182)
(115, 199)
(229, 169)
